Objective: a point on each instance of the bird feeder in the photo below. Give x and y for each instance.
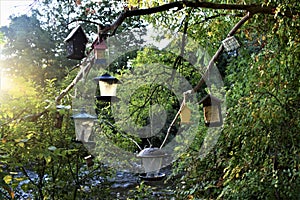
(185, 114)
(99, 50)
(84, 123)
(152, 160)
(76, 43)
(108, 86)
(212, 111)
(89, 160)
(230, 43)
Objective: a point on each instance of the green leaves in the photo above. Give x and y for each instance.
(5, 190)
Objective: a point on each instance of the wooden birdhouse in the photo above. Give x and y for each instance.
(212, 111)
(99, 50)
(185, 114)
(76, 43)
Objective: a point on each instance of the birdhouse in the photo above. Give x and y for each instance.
(212, 111)
(99, 50)
(185, 114)
(76, 43)
(230, 43)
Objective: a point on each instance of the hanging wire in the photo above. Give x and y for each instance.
(151, 119)
(108, 53)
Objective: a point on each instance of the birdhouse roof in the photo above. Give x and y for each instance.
(151, 153)
(83, 115)
(210, 98)
(99, 45)
(77, 31)
(106, 77)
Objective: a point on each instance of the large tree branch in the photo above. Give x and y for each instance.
(252, 8)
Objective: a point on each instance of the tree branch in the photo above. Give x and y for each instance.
(252, 8)
(78, 77)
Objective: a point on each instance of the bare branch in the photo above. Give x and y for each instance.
(84, 70)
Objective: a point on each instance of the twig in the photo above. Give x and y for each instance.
(88, 21)
(123, 134)
(175, 118)
(252, 8)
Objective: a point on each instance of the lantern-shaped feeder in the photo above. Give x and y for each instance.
(212, 111)
(152, 161)
(99, 50)
(76, 43)
(84, 123)
(230, 43)
(185, 114)
(108, 87)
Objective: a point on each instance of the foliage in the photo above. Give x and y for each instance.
(37, 150)
(28, 47)
(257, 154)
(142, 191)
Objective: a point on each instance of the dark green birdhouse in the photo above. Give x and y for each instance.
(76, 44)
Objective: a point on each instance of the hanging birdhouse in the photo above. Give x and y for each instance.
(212, 111)
(99, 50)
(108, 87)
(84, 123)
(76, 43)
(230, 43)
(185, 114)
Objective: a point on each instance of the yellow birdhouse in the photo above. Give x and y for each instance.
(185, 114)
(212, 111)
